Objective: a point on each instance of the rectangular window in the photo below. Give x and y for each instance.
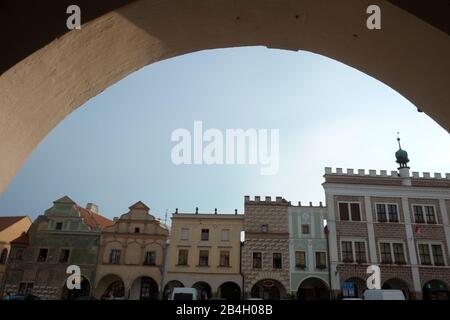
(42, 257)
(25, 288)
(399, 253)
(381, 213)
(225, 235)
(203, 258)
(347, 251)
(356, 213)
(277, 264)
(114, 256)
(424, 253)
(184, 234)
(393, 213)
(205, 235)
(257, 260)
(224, 258)
(343, 211)
(183, 257)
(300, 259)
(305, 228)
(59, 226)
(137, 230)
(418, 214)
(438, 256)
(150, 258)
(385, 253)
(321, 260)
(429, 212)
(64, 255)
(349, 211)
(360, 252)
(264, 228)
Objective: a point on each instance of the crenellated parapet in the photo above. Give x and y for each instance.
(383, 173)
(265, 200)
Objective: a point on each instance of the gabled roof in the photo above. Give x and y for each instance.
(139, 205)
(6, 222)
(93, 220)
(23, 239)
(64, 199)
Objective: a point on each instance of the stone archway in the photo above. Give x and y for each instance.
(83, 293)
(168, 288)
(268, 289)
(204, 290)
(313, 289)
(397, 284)
(230, 291)
(144, 288)
(39, 91)
(353, 287)
(435, 290)
(110, 286)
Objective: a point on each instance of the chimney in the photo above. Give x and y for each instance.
(92, 207)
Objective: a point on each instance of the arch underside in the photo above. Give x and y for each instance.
(407, 54)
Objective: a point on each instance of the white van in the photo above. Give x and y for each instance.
(383, 294)
(184, 294)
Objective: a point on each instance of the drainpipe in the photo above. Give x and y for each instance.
(241, 243)
(330, 291)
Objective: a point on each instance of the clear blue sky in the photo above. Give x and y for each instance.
(115, 149)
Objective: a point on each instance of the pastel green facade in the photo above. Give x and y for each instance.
(312, 218)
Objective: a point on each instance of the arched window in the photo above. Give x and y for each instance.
(3, 256)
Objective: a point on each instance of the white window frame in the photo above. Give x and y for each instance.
(353, 240)
(430, 249)
(350, 212)
(424, 215)
(386, 204)
(391, 245)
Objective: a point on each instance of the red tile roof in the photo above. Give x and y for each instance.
(6, 222)
(23, 239)
(93, 219)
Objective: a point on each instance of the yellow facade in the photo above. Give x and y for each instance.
(212, 243)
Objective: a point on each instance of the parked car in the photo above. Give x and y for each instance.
(383, 294)
(184, 294)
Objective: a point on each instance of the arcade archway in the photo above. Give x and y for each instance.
(144, 288)
(230, 291)
(397, 284)
(110, 287)
(435, 290)
(74, 294)
(313, 289)
(203, 289)
(65, 71)
(268, 289)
